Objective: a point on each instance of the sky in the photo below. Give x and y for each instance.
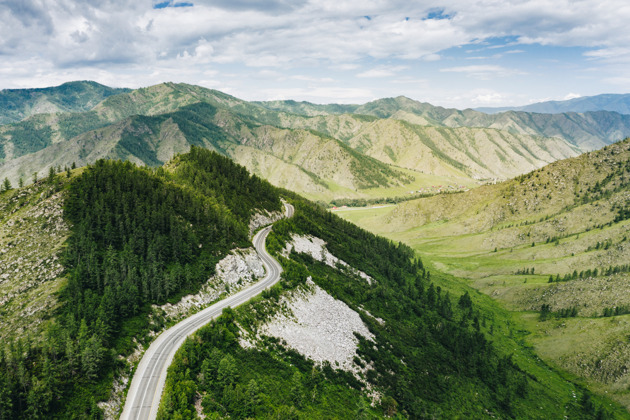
(453, 53)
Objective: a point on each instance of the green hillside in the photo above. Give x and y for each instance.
(19, 104)
(436, 353)
(124, 237)
(554, 240)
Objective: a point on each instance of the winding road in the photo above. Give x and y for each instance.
(145, 391)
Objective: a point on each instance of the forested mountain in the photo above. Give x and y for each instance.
(551, 244)
(19, 104)
(135, 237)
(139, 237)
(606, 102)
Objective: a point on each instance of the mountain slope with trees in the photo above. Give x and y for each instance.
(139, 236)
(552, 245)
(19, 104)
(434, 354)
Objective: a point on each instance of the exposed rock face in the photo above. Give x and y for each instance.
(315, 247)
(321, 328)
(263, 218)
(240, 268)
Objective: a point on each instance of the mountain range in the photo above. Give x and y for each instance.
(384, 148)
(506, 297)
(619, 103)
(18, 104)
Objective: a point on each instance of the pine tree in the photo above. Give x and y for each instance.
(51, 174)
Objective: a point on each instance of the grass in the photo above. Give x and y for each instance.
(472, 258)
(511, 332)
(32, 233)
(484, 237)
(421, 181)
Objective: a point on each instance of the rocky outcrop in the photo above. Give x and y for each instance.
(240, 268)
(32, 233)
(316, 248)
(263, 218)
(319, 327)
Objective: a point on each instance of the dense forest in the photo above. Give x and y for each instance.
(433, 356)
(139, 236)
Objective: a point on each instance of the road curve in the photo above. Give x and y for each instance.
(145, 391)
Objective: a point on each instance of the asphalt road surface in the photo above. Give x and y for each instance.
(145, 391)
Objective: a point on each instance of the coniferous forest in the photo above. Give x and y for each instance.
(139, 236)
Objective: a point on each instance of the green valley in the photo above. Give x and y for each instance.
(551, 246)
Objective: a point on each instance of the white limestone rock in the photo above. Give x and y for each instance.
(321, 328)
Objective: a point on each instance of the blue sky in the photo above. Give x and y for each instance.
(456, 53)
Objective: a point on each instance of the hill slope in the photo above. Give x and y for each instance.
(479, 153)
(19, 104)
(557, 236)
(297, 159)
(587, 130)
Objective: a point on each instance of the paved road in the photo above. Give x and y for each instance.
(143, 398)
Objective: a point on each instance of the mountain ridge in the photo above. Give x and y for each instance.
(18, 104)
(604, 102)
(327, 155)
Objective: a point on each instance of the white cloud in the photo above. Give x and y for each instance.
(571, 96)
(382, 71)
(484, 71)
(479, 98)
(304, 78)
(128, 42)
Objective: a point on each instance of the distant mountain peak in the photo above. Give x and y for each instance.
(605, 102)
